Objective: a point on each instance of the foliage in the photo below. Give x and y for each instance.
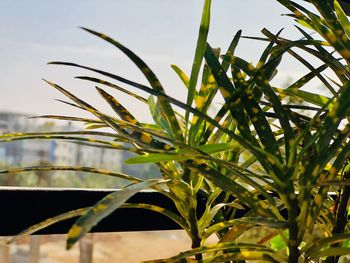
(280, 162)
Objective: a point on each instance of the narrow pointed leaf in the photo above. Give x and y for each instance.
(182, 75)
(48, 222)
(330, 252)
(68, 118)
(125, 115)
(103, 208)
(343, 19)
(100, 81)
(150, 76)
(177, 219)
(178, 103)
(229, 185)
(217, 247)
(201, 43)
(70, 168)
(158, 115)
(228, 91)
(181, 154)
(324, 242)
(310, 97)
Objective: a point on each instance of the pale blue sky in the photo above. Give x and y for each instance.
(162, 32)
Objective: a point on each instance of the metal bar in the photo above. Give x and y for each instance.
(23, 207)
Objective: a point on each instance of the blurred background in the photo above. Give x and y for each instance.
(161, 32)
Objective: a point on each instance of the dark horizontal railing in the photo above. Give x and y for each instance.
(23, 207)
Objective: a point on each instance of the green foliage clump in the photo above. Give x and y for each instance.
(280, 162)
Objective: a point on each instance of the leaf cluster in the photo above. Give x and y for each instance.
(258, 153)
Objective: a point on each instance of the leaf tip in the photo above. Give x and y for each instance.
(84, 28)
(69, 244)
(49, 82)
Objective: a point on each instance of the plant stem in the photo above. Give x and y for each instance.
(341, 215)
(196, 240)
(293, 243)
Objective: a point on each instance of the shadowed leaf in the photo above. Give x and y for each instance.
(103, 208)
(48, 222)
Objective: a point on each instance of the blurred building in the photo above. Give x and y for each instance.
(34, 152)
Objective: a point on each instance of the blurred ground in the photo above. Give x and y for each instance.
(127, 247)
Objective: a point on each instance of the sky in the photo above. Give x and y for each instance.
(161, 32)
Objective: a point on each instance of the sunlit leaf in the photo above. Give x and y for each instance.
(200, 48)
(181, 154)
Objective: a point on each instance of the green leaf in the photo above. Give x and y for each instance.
(278, 243)
(306, 78)
(310, 97)
(143, 138)
(218, 117)
(332, 22)
(70, 168)
(244, 255)
(292, 6)
(263, 221)
(228, 91)
(200, 49)
(57, 133)
(333, 39)
(104, 82)
(288, 47)
(157, 157)
(182, 75)
(245, 143)
(177, 219)
(69, 118)
(305, 24)
(248, 248)
(148, 73)
(206, 94)
(319, 245)
(150, 76)
(342, 17)
(48, 222)
(158, 115)
(110, 121)
(236, 230)
(103, 208)
(264, 85)
(208, 216)
(70, 104)
(229, 185)
(94, 141)
(182, 154)
(331, 252)
(231, 50)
